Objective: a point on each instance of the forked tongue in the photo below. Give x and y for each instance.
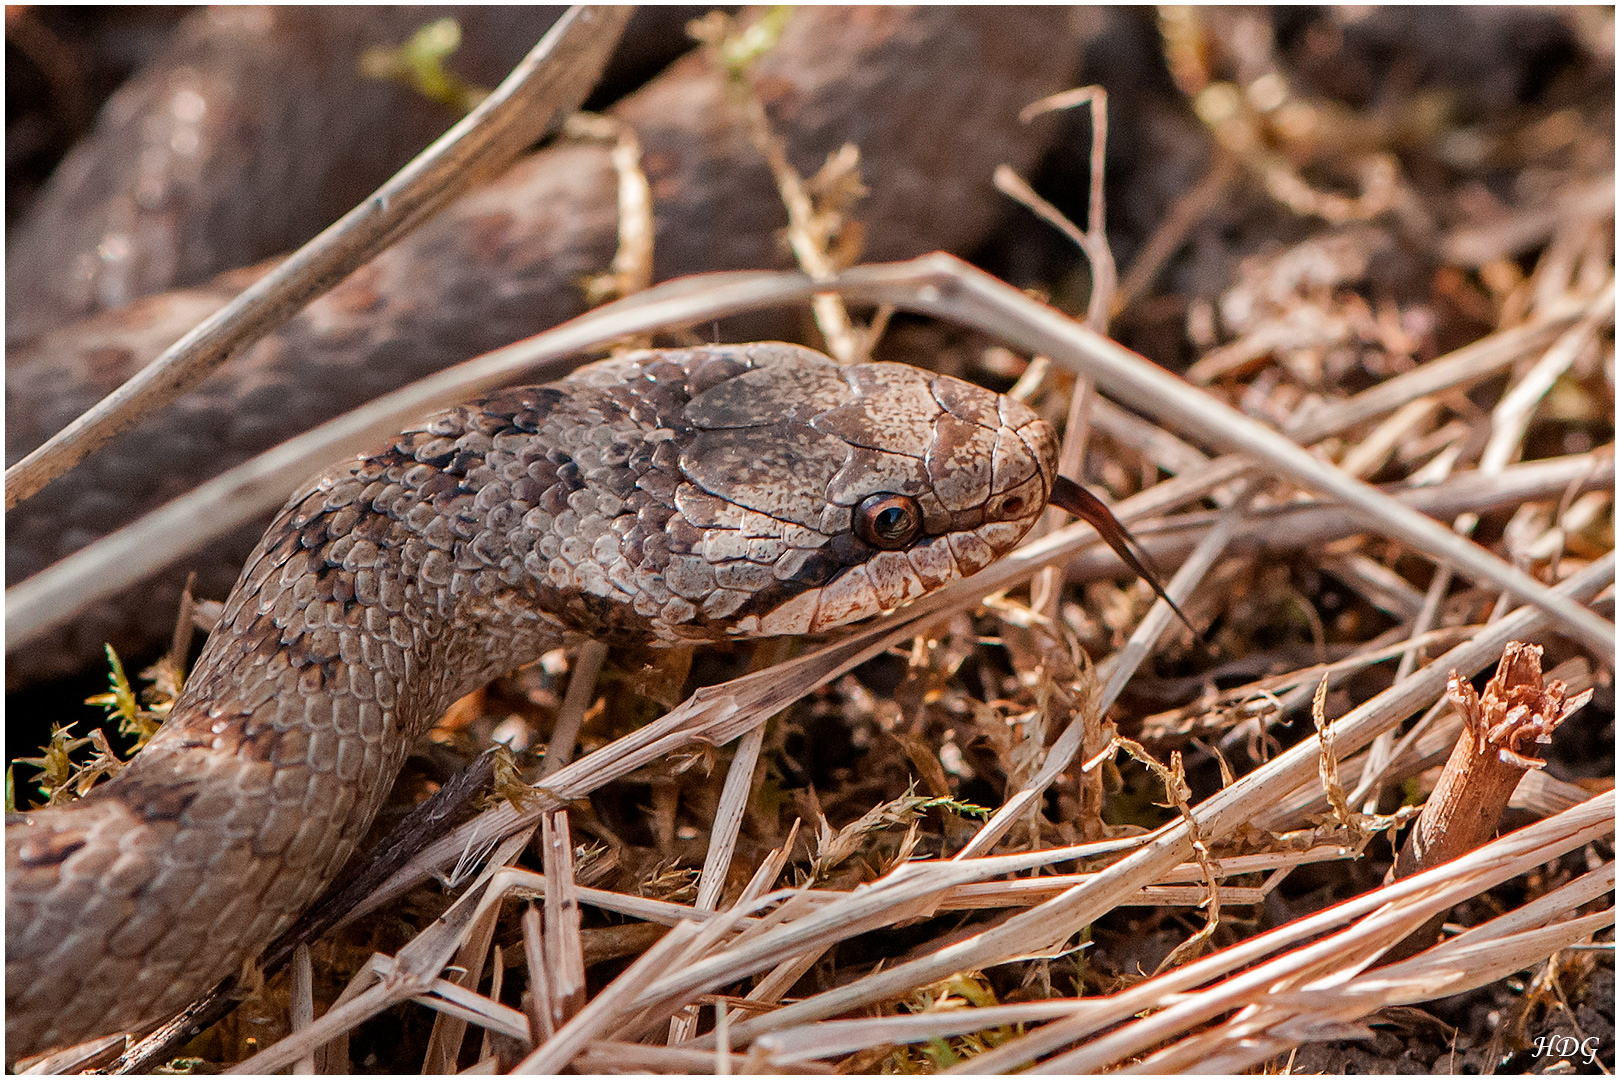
(1071, 497)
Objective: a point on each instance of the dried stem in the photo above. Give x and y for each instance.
(1491, 757)
(1492, 754)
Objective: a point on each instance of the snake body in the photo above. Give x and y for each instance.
(664, 496)
(929, 94)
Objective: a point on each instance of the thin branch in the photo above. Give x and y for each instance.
(550, 83)
(944, 286)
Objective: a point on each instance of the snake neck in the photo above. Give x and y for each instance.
(349, 632)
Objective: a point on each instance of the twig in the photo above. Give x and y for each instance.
(1094, 241)
(961, 293)
(550, 83)
(1429, 742)
(538, 999)
(566, 967)
(1492, 755)
(633, 261)
(723, 832)
(587, 668)
(497, 973)
(1490, 758)
(1530, 227)
(302, 1008)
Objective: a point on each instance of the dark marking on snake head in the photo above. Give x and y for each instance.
(820, 566)
(710, 368)
(749, 465)
(848, 549)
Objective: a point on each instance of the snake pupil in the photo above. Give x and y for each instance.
(888, 521)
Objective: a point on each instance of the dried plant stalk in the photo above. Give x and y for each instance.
(1491, 757)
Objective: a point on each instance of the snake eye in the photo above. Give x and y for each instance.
(889, 522)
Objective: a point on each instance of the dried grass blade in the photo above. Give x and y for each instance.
(949, 288)
(1305, 525)
(609, 1055)
(1281, 1019)
(832, 1038)
(538, 999)
(1381, 917)
(607, 1006)
(564, 949)
(302, 1008)
(337, 1021)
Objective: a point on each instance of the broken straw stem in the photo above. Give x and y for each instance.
(1492, 755)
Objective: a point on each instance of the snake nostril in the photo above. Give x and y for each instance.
(1013, 506)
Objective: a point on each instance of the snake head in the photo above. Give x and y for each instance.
(825, 495)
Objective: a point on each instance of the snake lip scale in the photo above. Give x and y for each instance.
(664, 496)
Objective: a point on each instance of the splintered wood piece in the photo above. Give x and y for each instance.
(1493, 753)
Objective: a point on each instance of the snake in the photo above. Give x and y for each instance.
(930, 95)
(665, 496)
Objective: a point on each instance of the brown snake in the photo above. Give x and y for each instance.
(666, 496)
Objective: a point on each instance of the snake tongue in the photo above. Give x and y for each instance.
(1071, 497)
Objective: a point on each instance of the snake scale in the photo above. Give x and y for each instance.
(664, 496)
